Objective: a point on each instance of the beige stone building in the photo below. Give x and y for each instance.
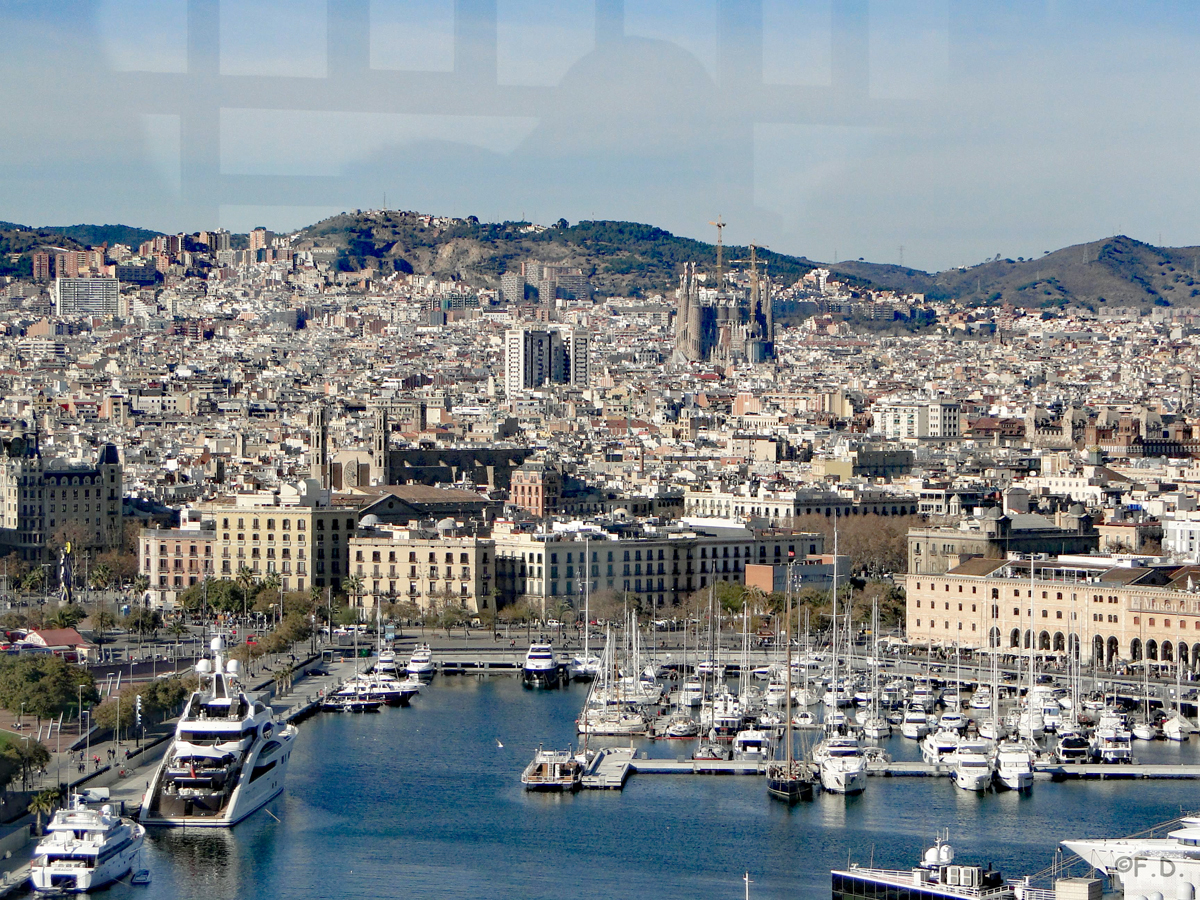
(302, 532)
(427, 566)
(1112, 607)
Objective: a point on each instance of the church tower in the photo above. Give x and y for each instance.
(379, 446)
(318, 438)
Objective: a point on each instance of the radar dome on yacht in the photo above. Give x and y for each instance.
(1157, 895)
(203, 667)
(216, 644)
(931, 856)
(946, 854)
(232, 667)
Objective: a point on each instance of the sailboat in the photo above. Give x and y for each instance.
(606, 710)
(585, 666)
(1178, 727)
(838, 757)
(875, 725)
(789, 779)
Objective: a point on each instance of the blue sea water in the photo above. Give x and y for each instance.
(424, 802)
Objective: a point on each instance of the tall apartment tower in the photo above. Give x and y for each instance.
(319, 441)
(534, 357)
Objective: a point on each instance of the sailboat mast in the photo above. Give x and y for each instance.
(834, 619)
(787, 661)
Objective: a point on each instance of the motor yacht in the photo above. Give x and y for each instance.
(386, 664)
(1014, 766)
(753, 744)
(1111, 740)
(228, 758)
(939, 745)
(691, 693)
(553, 770)
(916, 723)
(681, 727)
(541, 668)
(84, 849)
(1072, 747)
(1148, 866)
(973, 765)
(953, 720)
(584, 668)
(982, 698)
(421, 662)
(841, 764)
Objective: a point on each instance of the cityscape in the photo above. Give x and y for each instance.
(350, 548)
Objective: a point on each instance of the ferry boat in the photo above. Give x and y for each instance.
(936, 878)
(421, 662)
(541, 668)
(553, 770)
(85, 849)
(228, 758)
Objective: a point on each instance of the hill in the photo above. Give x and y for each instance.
(625, 258)
(95, 235)
(1117, 271)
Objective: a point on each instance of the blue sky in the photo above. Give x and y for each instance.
(954, 129)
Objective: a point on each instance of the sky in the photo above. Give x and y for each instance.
(932, 133)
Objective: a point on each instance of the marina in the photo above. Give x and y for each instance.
(463, 842)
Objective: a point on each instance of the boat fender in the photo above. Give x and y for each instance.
(1185, 891)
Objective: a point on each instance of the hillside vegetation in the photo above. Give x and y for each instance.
(624, 258)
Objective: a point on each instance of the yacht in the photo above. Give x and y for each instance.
(386, 664)
(982, 698)
(939, 745)
(84, 849)
(1014, 766)
(916, 723)
(553, 770)
(680, 727)
(421, 662)
(541, 668)
(953, 720)
(610, 721)
(1111, 740)
(1177, 728)
(752, 744)
(228, 758)
(1072, 747)
(841, 764)
(1148, 866)
(973, 765)
(1145, 731)
(584, 667)
(691, 694)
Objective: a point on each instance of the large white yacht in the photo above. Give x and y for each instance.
(541, 668)
(1014, 766)
(973, 765)
(1146, 866)
(842, 766)
(85, 849)
(229, 756)
(421, 662)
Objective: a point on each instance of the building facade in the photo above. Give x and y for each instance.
(52, 501)
(1117, 608)
(86, 296)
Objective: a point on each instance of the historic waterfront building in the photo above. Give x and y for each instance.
(1112, 608)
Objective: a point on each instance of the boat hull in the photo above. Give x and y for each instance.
(60, 877)
(541, 678)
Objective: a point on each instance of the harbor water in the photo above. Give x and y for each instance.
(427, 801)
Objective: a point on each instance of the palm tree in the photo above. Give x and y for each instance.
(272, 583)
(102, 621)
(354, 587)
(141, 584)
(245, 579)
(44, 802)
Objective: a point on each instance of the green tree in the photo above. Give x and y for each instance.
(67, 617)
(44, 803)
(43, 685)
(140, 584)
(101, 576)
(27, 756)
(144, 621)
(245, 580)
(33, 581)
(102, 622)
(354, 590)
